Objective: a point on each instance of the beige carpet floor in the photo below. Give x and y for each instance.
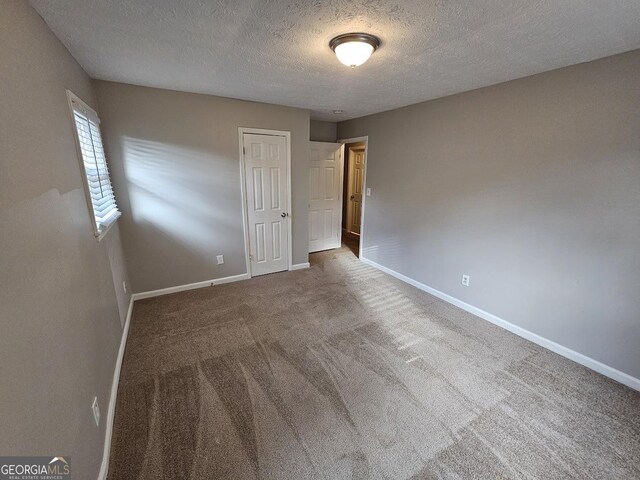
(339, 372)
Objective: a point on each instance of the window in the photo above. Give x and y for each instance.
(94, 166)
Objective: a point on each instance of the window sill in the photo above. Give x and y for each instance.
(100, 234)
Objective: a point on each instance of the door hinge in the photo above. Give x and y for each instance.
(244, 152)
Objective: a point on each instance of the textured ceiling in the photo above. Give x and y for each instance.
(276, 51)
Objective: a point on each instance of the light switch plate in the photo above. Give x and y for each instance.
(368, 192)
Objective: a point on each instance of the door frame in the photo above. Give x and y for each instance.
(243, 189)
(364, 139)
(342, 150)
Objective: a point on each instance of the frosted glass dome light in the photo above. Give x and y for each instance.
(353, 49)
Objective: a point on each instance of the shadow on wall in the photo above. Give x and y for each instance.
(182, 192)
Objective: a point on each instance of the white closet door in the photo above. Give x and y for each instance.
(266, 182)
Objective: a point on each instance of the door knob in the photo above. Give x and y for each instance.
(352, 197)
(283, 214)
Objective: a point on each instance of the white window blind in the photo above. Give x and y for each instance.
(98, 183)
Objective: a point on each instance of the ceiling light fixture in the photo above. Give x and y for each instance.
(354, 49)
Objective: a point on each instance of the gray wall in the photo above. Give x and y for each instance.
(175, 163)
(59, 308)
(323, 131)
(533, 188)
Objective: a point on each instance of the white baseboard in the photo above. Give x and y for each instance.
(108, 428)
(190, 286)
(300, 266)
(588, 362)
(206, 283)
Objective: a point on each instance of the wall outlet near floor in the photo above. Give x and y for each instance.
(96, 411)
(124, 287)
(465, 280)
(220, 259)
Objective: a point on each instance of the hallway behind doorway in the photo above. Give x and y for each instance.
(353, 186)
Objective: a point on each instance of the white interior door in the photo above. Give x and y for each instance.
(356, 181)
(266, 183)
(325, 195)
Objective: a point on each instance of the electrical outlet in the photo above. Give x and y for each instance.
(465, 280)
(368, 192)
(220, 259)
(124, 287)
(96, 411)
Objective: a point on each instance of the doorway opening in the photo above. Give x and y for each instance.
(353, 194)
(337, 186)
